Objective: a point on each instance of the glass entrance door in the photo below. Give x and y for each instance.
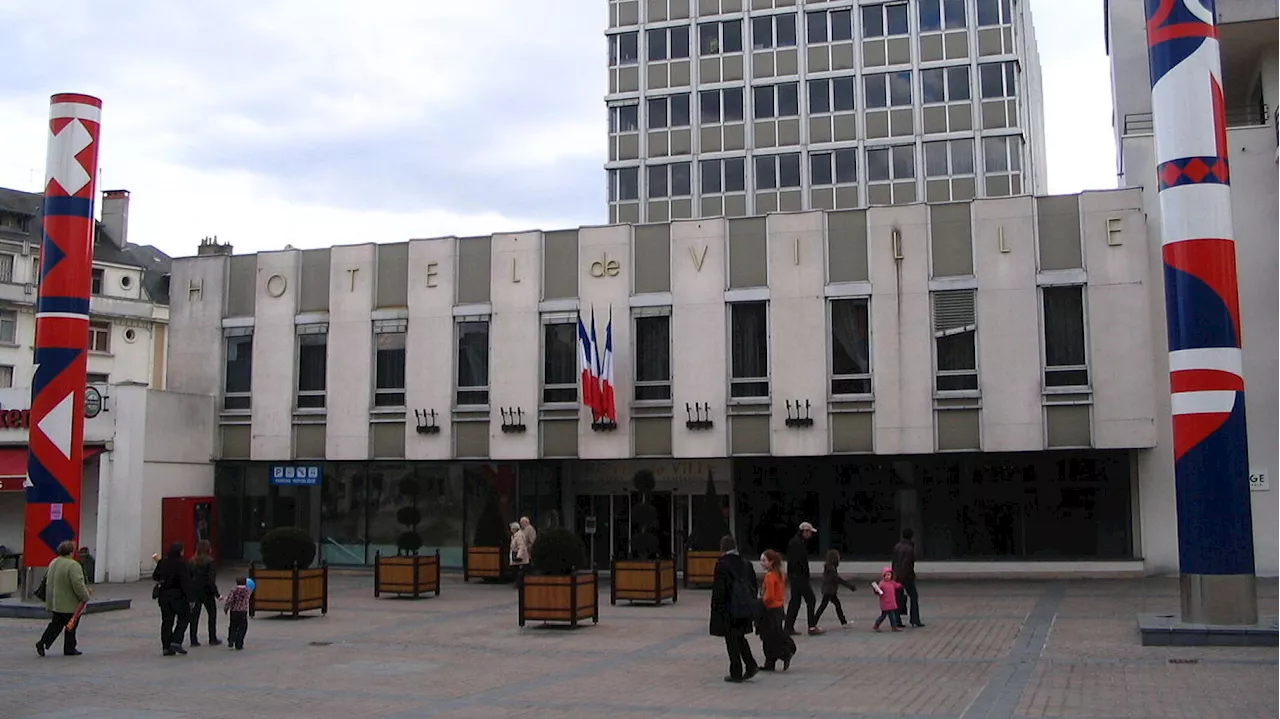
(663, 505)
(595, 510)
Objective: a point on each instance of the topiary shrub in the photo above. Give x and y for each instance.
(709, 525)
(644, 517)
(491, 529)
(558, 551)
(409, 516)
(288, 547)
(409, 541)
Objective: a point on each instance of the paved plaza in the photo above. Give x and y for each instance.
(991, 649)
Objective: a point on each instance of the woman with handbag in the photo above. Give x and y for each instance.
(519, 552)
(204, 581)
(172, 592)
(778, 644)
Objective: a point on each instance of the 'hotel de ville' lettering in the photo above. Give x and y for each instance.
(605, 267)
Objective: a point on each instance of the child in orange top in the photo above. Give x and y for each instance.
(777, 644)
(887, 590)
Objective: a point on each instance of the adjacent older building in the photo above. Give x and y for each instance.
(984, 372)
(1247, 31)
(129, 313)
(141, 444)
(738, 108)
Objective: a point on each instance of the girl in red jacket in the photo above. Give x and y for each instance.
(887, 590)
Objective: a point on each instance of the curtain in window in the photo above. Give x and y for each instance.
(390, 360)
(749, 341)
(1063, 326)
(851, 348)
(560, 365)
(473, 354)
(653, 349)
(312, 362)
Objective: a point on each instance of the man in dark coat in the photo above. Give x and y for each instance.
(732, 569)
(904, 571)
(798, 580)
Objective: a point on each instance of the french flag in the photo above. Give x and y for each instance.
(608, 409)
(590, 381)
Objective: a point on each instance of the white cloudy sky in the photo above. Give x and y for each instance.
(273, 122)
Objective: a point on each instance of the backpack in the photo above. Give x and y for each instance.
(743, 603)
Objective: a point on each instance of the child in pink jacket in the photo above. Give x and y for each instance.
(887, 590)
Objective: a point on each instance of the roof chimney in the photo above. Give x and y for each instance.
(115, 216)
(211, 246)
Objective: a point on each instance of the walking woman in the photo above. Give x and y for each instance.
(204, 582)
(777, 643)
(172, 576)
(519, 553)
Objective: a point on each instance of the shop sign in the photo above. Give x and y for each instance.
(15, 418)
(21, 418)
(307, 475)
(92, 402)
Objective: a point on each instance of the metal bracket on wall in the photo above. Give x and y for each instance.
(512, 420)
(799, 415)
(426, 421)
(698, 416)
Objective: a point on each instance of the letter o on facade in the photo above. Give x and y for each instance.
(276, 285)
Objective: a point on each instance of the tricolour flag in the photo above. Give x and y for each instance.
(596, 390)
(587, 357)
(608, 408)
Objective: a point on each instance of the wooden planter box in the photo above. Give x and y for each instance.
(560, 598)
(643, 580)
(700, 568)
(486, 563)
(289, 591)
(414, 574)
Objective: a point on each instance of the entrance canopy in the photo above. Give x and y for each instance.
(13, 466)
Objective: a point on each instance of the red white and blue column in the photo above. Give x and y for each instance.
(55, 459)
(1206, 377)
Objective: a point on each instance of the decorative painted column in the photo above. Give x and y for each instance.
(1206, 377)
(55, 460)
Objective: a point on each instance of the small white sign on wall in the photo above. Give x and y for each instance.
(1258, 480)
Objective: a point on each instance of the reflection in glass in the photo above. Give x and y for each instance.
(1060, 505)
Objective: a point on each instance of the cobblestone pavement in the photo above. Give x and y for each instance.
(1013, 650)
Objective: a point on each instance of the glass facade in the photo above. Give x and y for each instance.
(1029, 506)
(355, 512)
(1033, 506)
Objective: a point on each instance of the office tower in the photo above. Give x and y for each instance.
(744, 107)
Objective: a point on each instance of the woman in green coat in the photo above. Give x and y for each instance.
(64, 591)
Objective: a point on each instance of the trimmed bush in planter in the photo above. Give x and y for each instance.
(409, 541)
(556, 590)
(708, 527)
(643, 580)
(489, 557)
(406, 574)
(645, 577)
(289, 584)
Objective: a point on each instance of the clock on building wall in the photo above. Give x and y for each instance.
(92, 402)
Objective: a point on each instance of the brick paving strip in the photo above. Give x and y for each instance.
(1012, 650)
(999, 698)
